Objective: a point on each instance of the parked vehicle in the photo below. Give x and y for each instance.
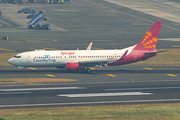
(43, 27)
(27, 10)
(21, 10)
(31, 15)
(40, 27)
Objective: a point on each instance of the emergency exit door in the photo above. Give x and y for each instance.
(28, 57)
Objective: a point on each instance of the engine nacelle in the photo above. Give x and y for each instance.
(72, 66)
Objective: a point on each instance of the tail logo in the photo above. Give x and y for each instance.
(146, 43)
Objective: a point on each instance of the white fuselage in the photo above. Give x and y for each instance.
(43, 58)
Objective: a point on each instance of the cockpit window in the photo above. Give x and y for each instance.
(17, 56)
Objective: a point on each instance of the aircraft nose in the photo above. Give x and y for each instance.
(10, 61)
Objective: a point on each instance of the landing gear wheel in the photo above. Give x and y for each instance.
(88, 70)
(23, 70)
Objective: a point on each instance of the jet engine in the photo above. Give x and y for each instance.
(72, 66)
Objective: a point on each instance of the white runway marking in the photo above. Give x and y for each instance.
(154, 88)
(85, 103)
(161, 8)
(170, 39)
(54, 88)
(14, 93)
(105, 94)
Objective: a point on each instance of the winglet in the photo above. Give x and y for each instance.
(124, 55)
(89, 47)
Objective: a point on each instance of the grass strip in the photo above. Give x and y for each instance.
(112, 112)
(32, 80)
(4, 57)
(169, 58)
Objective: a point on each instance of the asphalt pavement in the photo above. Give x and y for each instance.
(109, 24)
(76, 24)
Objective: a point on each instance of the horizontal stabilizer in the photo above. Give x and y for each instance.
(151, 52)
(156, 52)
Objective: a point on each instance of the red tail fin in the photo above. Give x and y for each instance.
(148, 42)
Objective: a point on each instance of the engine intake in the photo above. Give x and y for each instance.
(73, 66)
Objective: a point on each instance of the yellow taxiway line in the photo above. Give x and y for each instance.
(6, 49)
(111, 75)
(51, 49)
(149, 68)
(97, 48)
(175, 46)
(33, 41)
(172, 75)
(50, 75)
(32, 68)
(91, 68)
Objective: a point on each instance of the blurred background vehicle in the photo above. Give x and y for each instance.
(31, 15)
(27, 10)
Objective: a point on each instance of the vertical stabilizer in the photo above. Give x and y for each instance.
(148, 42)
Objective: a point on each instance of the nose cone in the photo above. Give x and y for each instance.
(10, 61)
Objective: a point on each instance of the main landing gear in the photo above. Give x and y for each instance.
(23, 70)
(86, 69)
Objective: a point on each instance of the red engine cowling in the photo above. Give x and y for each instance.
(73, 66)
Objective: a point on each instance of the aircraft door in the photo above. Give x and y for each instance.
(28, 57)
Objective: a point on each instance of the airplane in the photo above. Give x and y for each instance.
(84, 59)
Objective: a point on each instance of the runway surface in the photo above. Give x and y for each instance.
(118, 85)
(109, 24)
